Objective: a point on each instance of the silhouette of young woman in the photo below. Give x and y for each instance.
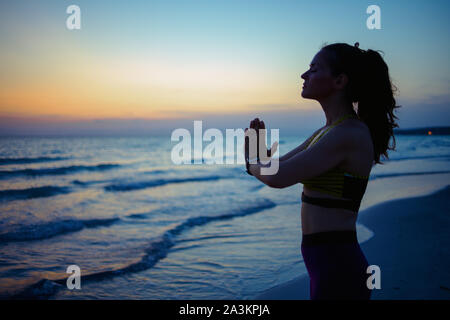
(355, 92)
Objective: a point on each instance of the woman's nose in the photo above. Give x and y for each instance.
(303, 76)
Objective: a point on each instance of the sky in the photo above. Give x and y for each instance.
(152, 66)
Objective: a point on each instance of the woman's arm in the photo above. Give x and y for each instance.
(300, 147)
(329, 152)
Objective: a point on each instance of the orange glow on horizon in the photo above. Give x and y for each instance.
(94, 86)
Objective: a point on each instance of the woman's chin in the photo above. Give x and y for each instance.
(307, 95)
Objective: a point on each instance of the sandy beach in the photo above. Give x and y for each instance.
(411, 246)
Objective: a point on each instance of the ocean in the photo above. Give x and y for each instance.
(140, 227)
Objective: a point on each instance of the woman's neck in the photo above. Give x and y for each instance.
(336, 109)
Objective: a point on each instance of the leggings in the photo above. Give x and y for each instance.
(336, 266)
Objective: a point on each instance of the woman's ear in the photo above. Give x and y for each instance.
(341, 81)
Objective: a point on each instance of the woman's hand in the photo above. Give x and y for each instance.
(261, 142)
(257, 125)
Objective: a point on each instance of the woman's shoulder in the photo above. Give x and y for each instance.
(359, 134)
(356, 129)
(352, 133)
(356, 135)
(361, 150)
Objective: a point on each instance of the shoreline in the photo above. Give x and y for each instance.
(411, 245)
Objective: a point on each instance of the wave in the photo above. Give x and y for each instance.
(157, 250)
(57, 171)
(258, 187)
(52, 229)
(390, 175)
(4, 161)
(138, 216)
(157, 183)
(88, 183)
(419, 157)
(157, 171)
(30, 193)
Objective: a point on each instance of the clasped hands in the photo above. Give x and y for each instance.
(252, 152)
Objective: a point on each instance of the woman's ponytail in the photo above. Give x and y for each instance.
(371, 88)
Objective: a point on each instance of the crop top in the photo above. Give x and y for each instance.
(336, 182)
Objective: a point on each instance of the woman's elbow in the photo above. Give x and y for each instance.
(275, 183)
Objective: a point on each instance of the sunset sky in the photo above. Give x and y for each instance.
(163, 60)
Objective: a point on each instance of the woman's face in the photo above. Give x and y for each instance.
(319, 83)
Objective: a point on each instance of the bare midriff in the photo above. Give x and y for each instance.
(319, 219)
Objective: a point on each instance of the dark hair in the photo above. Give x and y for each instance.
(370, 86)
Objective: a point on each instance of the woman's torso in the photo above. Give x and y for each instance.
(359, 161)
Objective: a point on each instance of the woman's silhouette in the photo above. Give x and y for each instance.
(354, 89)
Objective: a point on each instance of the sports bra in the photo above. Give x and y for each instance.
(336, 182)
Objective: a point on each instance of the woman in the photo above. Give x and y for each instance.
(334, 164)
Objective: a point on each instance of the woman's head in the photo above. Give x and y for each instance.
(359, 76)
(320, 83)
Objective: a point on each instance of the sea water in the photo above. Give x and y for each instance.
(140, 227)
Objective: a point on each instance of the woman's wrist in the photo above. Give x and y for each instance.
(247, 167)
(248, 162)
